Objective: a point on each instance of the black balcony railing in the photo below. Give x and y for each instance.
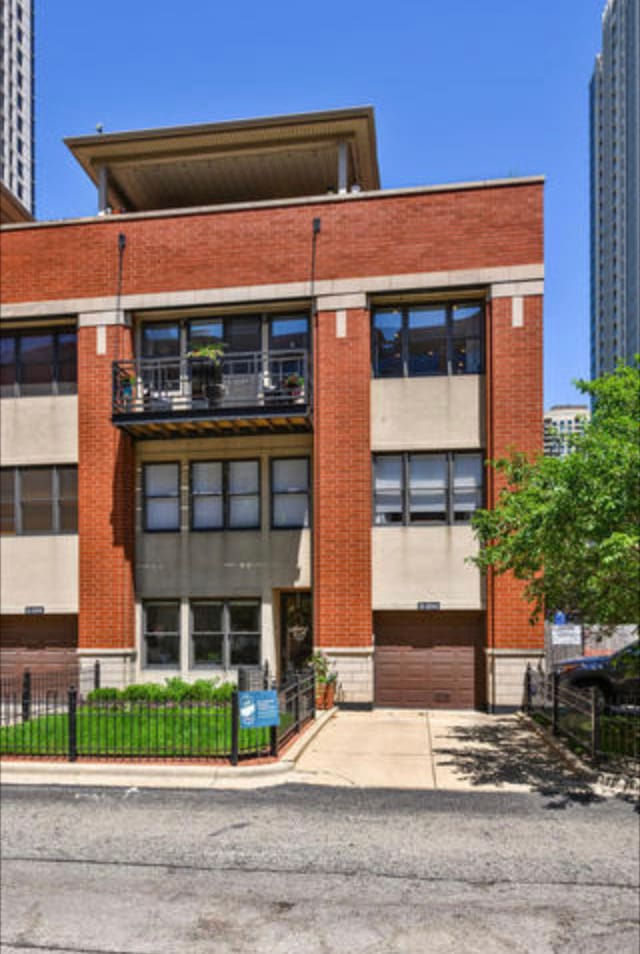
(165, 387)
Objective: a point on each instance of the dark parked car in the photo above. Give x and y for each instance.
(617, 677)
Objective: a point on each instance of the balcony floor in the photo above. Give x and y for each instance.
(227, 423)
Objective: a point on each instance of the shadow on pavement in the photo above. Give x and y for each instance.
(504, 753)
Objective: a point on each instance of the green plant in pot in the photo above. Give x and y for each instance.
(206, 370)
(213, 352)
(294, 386)
(326, 680)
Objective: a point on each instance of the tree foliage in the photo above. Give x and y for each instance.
(570, 527)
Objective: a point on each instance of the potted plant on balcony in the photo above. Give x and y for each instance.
(294, 387)
(206, 370)
(128, 381)
(326, 680)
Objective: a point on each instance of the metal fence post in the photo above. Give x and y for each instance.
(527, 689)
(96, 674)
(26, 695)
(595, 723)
(73, 729)
(313, 694)
(296, 702)
(554, 703)
(235, 727)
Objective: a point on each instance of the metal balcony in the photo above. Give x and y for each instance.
(244, 393)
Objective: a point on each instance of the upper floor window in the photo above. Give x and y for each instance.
(225, 495)
(290, 492)
(38, 500)
(427, 488)
(424, 340)
(239, 333)
(38, 362)
(161, 490)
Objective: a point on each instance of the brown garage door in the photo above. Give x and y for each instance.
(428, 661)
(41, 644)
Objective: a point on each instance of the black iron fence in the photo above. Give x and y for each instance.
(42, 716)
(166, 386)
(607, 730)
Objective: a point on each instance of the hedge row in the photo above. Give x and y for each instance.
(174, 690)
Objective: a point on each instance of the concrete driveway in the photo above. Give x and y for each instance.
(459, 751)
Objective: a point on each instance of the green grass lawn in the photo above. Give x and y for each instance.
(134, 730)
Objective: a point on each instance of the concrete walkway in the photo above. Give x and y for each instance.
(455, 751)
(387, 748)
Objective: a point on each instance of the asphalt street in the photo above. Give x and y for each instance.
(317, 869)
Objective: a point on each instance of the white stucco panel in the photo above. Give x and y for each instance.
(425, 564)
(39, 571)
(439, 413)
(39, 430)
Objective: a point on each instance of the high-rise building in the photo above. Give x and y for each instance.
(561, 423)
(615, 189)
(16, 108)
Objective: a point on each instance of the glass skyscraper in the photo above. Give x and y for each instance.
(615, 189)
(16, 102)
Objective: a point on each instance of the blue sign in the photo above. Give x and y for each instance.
(258, 709)
(559, 618)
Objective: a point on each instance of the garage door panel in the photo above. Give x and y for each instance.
(436, 676)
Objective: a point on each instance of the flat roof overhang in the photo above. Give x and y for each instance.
(247, 422)
(277, 157)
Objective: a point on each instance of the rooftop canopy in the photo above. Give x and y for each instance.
(248, 160)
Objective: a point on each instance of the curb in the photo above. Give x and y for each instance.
(608, 784)
(294, 753)
(174, 775)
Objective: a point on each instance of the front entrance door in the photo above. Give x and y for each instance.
(296, 623)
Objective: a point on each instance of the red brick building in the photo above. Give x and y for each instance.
(246, 409)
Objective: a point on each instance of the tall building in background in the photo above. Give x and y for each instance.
(17, 110)
(615, 189)
(561, 423)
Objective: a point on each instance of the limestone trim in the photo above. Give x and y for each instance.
(106, 652)
(514, 652)
(341, 302)
(523, 275)
(346, 650)
(517, 289)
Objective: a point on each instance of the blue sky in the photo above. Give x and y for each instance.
(463, 89)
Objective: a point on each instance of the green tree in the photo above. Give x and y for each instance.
(569, 528)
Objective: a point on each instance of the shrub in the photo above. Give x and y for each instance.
(145, 692)
(108, 694)
(174, 690)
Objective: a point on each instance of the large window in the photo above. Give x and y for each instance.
(240, 333)
(225, 495)
(161, 633)
(225, 633)
(38, 500)
(290, 492)
(425, 340)
(36, 363)
(161, 489)
(422, 489)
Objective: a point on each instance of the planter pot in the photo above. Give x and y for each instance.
(325, 695)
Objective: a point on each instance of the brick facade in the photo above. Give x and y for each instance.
(342, 482)
(514, 420)
(106, 498)
(377, 235)
(369, 235)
